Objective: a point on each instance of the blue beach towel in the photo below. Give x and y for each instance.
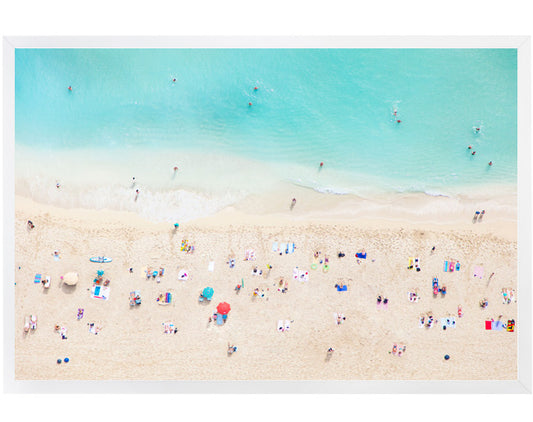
(38, 278)
(290, 248)
(457, 266)
(446, 266)
(342, 289)
(220, 321)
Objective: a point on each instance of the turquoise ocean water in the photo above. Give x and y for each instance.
(125, 117)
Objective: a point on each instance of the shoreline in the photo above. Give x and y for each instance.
(331, 212)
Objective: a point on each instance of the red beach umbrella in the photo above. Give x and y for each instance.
(223, 308)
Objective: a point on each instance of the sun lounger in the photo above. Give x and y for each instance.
(280, 325)
(274, 246)
(211, 266)
(38, 278)
(435, 286)
(220, 320)
(290, 248)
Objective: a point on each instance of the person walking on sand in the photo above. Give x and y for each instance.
(293, 203)
(136, 194)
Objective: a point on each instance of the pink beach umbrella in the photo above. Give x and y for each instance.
(223, 308)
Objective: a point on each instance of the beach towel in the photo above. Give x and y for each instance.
(443, 322)
(280, 325)
(510, 326)
(183, 275)
(361, 255)
(478, 271)
(287, 325)
(47, 283)
(282, 247)
(413, 297)
(488, 325)
(290, 248)
(249, 255)
(457, 266)
(220, 320)
(295, 273)
(211, 266)
(452, 266)
(56, 258)
(446, 266)
(275, 247)
(410, 265)
(38, 278)
(497, 325)
(303, 275)
(421, 321)
(342, 289)
(417, 264)
(100, 292)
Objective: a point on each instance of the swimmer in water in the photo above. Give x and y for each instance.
(321, 164)
(395, 112)
(398, 121)
(174, 80)
(175, 168)
(469, 146)
(490, 163)
(255, 88)
(473, 152)
(70, 88)
(249, 104)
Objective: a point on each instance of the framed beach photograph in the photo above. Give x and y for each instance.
(267, 214)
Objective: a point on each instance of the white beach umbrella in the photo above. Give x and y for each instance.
(70, 278)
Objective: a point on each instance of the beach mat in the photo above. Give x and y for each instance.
(275, 247)
(446, 266)
(211, 266)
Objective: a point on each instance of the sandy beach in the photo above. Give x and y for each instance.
(132, 344)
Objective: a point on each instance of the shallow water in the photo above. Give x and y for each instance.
(126, 117)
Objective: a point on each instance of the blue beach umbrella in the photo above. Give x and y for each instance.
(208, 293)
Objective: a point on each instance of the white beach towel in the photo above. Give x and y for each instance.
(295, 273)
(287, 325)
(290, 248)
(280, 325)
(303, 275)
(183, 275)
(282, 247)
(211, 266)
(275, 247)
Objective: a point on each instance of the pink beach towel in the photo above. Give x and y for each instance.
(478, 271)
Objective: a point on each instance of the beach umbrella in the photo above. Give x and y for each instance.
(208, 293)
(70, 278)
(223, 308)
